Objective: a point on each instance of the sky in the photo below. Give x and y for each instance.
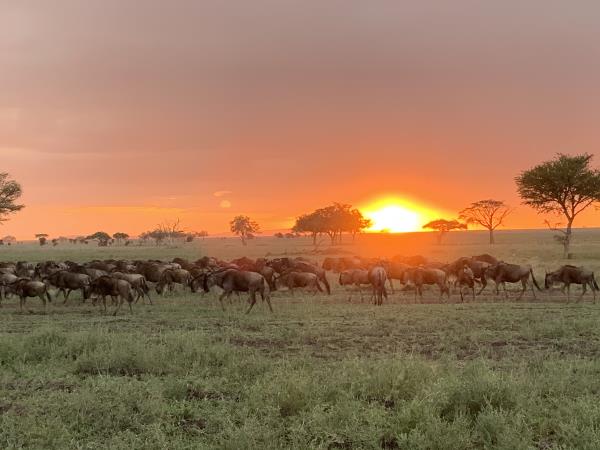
(119, 114)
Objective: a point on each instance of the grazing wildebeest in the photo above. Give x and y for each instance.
(378, 277)
(421, 275)
(67, 281)
(395, 271)
(25, 287)
(232, 280)
(355, 277)
(281, 265)
(293, 280)
(503, 273)
(568, 275)
(138, 284)
(118, 290)
(170, 277)
(477, 267)
(6, 279)
(465, 277)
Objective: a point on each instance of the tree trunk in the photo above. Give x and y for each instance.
(243, 239)
(568, 237)
(314, 238)
(492, 241)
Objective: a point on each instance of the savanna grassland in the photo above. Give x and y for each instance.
(318, 373)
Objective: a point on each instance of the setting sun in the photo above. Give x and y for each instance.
(394, 219)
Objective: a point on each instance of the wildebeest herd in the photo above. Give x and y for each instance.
(130, 281)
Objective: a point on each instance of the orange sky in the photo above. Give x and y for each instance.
(115, 116)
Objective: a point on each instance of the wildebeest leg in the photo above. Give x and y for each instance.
(221, 300)
(66, 296)
(391, 285)
(461, 294)
(266, 297)
(524, 285)
(119, 303)
(533, 290)
(583, 291)
(568, 288)
(21, 303)
(483, 285)
(252, 301)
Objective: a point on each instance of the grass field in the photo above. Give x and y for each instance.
(319, 373)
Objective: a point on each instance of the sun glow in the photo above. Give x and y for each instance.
(396, 216)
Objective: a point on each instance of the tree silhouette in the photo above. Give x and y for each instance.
(490, 214)
(566, 186)
(443, 226)
(244, 227)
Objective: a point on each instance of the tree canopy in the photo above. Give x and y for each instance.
(489, 213)
(565, 185)
(443, 226)
(244, 227)
(332, 220)
(10, 191)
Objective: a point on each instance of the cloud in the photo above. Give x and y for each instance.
(225, 204)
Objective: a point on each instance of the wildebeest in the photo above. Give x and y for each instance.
(568, 275)
(477, 267)
(67, 281)
(465, 277)
(293, 280)
(421, 275)
(26, 287)
(378, 277)
(281, 265)
(232, 280)
(170, 277)
(491, 260)
(503, 273)
(6, 279)
(138, 284)
(354, 277)
(118, 290)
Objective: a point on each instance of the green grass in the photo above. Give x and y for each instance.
(319, 373)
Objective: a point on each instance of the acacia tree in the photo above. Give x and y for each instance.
(490, 214)
(10, 191)
(42, 238)
(443, 226)
(244, 227)
(566, 186)
(101, 236)
(119, 237)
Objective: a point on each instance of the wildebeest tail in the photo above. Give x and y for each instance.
(319, 286)
(534, 280)
(594, 282)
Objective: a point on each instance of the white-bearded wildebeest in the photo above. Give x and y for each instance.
(421, 275)
(232, 280)
(138, 283)
(25, 287)
(5, 280)
(354, 277)
(568, 275)
(378, 277)
(465, 277)
(170, 277)
(503, 273)
(67, 281)
(281, 265)
(477, 267)
(293, 280)
(118, 290)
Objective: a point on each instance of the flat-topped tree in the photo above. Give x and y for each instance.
(443, 226)
(120, 237)
(42, 238)
(490, 214)
(10, 191)
(565, 185)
